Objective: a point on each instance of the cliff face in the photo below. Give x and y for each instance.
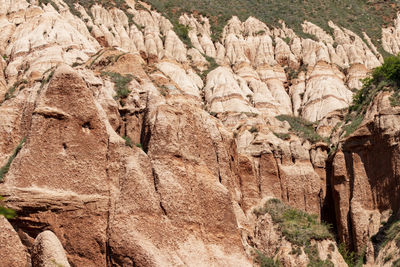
(141, 150)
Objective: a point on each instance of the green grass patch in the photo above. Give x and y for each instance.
(298, 227)
(392, 233)
(302, 128)
(121, 83)
(265, 261)
(183, 33)
(128, 141)
(283, 136)
(4, 170)
(350, 257)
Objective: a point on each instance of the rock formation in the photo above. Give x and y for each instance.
(138, 149)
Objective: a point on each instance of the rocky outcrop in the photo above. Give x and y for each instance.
(143, 151)
(12, 250)
(47, 251)
(364, 176)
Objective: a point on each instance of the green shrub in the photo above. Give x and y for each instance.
(183, 33)
(265, 261)
(298, 227)
(302, 127)
(8, 213)
(212, 65)
(5, 168)
(128, 141)
(121, 83)
(385, 77)
(139, 145)
(283, 136)
(393, 233)
(350, 257)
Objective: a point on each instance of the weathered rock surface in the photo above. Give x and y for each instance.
(364, 178)
(47, 251)
(202, 145)
(12, 251)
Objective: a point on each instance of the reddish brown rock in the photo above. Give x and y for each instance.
(12, 252)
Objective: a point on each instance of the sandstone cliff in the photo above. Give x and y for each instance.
(139, 149)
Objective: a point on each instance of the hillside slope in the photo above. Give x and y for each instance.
(130, 137)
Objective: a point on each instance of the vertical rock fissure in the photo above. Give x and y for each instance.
(145, 132)
(280, 179)
(350, 171)
(156, 181)
(328, 209)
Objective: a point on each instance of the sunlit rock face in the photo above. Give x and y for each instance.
(138, 149)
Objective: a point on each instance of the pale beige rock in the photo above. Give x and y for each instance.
(188, 201)
(48, 251)
(355, 74)
(225, 91)
(390, 37)
(324, 92)
(187, 83)
(313, 29)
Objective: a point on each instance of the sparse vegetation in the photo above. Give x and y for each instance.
(396, 263)
(48, 78)
(45, 2)
(96, 57)
(283, 136)
(8, 213)
(315, 260)
(87, 4)
(11, 91)
(139, 145)
(287, 40)
(350, 257)
(121, 83)
(212, 65)
(183, 33)
(393, 234)
(385, 77)
(293, 73)
(265, 261)
(128, 141)
(6, 167)
(303, 128)
(357, 16)
(298, 227)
